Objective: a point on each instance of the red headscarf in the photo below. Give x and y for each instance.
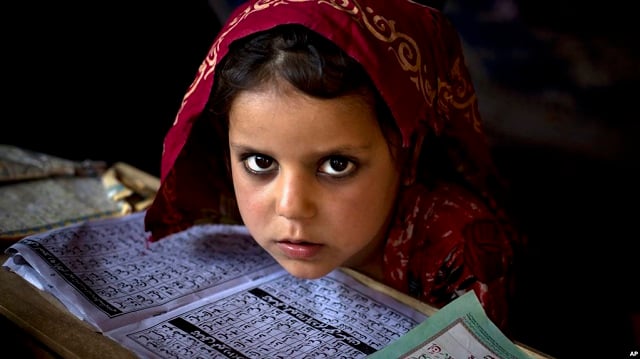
(414, 57)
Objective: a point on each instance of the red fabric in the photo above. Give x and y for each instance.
(444, 242)
(445, 239)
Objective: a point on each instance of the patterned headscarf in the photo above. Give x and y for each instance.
(412, 54)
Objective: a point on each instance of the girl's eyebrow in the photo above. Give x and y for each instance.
(242, 148)
(346, 149)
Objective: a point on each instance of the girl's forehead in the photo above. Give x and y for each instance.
(286, 100)
(295, 119)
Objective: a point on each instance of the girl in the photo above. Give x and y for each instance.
(343, 133)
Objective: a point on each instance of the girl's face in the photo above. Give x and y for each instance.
(314, 179)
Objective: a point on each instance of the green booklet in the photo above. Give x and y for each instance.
(461, 329)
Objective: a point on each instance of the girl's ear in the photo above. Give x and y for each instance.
(412, 157)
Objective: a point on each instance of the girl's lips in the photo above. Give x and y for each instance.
(299, 250)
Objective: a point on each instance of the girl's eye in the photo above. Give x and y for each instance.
(259, 164)
(338, 167)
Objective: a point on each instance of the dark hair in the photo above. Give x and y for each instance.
(308, 61)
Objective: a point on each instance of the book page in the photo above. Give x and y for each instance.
(106, 273)
(278, 316)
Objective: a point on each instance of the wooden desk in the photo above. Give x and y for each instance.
(45, 320)
(51, 330)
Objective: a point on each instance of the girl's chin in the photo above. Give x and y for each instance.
(306, 270)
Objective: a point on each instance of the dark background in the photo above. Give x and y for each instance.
(100, 81)
(557, 86)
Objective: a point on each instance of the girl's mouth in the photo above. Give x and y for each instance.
(298, 249)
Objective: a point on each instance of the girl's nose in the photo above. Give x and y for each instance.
(295, 195)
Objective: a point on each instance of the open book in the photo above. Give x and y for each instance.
(212, 292)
